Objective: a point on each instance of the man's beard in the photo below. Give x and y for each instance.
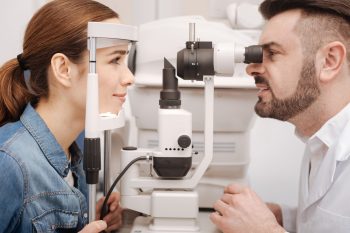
(306, 93)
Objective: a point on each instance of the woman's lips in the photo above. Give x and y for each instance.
(121, 97)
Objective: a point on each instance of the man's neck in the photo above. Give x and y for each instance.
(312, 119)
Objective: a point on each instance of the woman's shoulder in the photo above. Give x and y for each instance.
(13, 190)
(11, 165)
(17, 142)
(9, 131)
(11, 172)
(17, 147)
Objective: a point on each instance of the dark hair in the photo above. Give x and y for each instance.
(60, 26)
(322, 21)
(270, 8)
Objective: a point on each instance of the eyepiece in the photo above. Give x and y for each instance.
(253, 54)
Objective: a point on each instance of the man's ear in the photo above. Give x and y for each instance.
(331, 58)
(62, 69)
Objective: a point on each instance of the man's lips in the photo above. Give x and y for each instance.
(262, 87)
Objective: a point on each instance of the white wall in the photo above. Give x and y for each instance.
(275, 151)
(275, 161)
(14, 16)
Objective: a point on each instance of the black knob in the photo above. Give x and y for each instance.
(184, 141)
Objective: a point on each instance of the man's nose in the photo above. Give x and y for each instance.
(255, 69)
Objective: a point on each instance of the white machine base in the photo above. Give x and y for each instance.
(142, 225)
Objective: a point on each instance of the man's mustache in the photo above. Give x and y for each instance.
(261, 80)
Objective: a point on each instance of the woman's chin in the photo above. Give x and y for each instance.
(115, 109)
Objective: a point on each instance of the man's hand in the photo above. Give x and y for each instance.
(94, 227)
(240, 210)
(114, 217)
(277, 211)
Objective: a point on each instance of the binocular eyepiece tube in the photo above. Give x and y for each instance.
(201, 58)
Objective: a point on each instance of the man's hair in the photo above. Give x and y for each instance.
(341, 8)
(321, 22)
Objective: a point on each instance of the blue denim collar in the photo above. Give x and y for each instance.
(48, 143)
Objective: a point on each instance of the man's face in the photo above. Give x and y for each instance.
(286, 79)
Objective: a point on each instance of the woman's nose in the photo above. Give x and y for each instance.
(128, 77)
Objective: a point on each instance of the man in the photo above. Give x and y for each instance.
(304, 79)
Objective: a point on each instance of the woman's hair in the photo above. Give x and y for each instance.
(60, 26)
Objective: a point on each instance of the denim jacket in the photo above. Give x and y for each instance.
(34, 197)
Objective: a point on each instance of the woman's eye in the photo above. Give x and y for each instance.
(116, 60)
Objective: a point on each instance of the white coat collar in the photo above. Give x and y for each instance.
(334, 135)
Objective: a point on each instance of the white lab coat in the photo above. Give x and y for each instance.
(324, 206)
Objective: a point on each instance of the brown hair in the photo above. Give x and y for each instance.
(60, 26)
(322, 21)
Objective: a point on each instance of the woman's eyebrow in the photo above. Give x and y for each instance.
(121, 52)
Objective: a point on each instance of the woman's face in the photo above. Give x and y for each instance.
(114, 77)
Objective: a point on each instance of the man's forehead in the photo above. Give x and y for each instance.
(281, 28)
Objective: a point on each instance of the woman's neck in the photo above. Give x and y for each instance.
(64, 122)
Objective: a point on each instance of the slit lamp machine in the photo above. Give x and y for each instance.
(166, 194)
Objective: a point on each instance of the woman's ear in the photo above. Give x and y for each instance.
(62, 69)
(331, 58)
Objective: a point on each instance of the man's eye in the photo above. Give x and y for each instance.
(270, 54)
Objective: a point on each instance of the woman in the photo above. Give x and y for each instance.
(42, 112)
